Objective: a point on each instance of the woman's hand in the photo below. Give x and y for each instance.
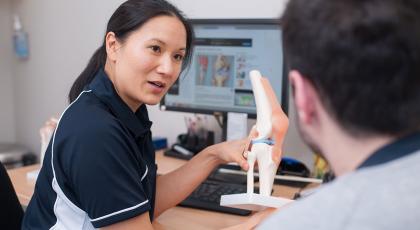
(230, 151)
(234, 151)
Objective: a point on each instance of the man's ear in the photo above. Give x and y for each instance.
(305, 97)
(112, 46)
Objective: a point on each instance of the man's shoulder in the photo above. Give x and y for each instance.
(363, 198)
(316, 211)
(397, 176)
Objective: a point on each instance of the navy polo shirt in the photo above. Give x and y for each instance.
(99, 168)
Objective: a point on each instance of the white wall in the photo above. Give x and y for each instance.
(7, 105)
(63, 36)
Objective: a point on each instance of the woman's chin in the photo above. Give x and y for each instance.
(152, 98)
(153, 101)
(152, 104)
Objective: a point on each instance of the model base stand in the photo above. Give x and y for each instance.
(253, 201)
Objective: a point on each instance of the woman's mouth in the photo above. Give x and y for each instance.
(157, 86)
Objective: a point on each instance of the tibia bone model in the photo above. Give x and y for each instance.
(266, 137)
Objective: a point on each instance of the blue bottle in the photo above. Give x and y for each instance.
(20, 39)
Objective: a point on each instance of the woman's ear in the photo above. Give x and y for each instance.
(305, 97)
(112, 46)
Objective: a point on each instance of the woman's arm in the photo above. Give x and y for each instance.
(139, 222)
(175, 186)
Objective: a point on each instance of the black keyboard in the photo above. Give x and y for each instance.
(207, 196)
(173, 153)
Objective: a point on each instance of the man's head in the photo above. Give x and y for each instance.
(360, 59)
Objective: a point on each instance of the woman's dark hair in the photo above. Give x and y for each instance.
(130, 16)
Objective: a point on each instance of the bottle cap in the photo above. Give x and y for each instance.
(16, 22)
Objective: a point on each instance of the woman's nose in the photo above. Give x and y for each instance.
(166, 66)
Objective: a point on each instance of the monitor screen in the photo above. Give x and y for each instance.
(225, 51)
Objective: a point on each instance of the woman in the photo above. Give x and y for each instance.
(99, 169)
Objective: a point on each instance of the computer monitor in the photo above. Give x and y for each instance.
(225, 50)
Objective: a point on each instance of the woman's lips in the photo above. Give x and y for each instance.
(156, 86)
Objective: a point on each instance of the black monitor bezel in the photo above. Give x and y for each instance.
(285, 83)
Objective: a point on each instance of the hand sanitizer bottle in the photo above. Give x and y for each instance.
(20, 39)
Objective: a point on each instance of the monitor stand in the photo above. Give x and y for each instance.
(222, 119)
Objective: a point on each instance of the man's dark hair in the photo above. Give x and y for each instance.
(363, 57)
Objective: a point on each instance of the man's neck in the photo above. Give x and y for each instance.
(345, 152)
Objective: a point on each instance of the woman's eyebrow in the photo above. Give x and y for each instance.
(158, 40)
(164, 43)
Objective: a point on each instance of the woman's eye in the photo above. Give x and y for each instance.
(179, 57)
(155, 49)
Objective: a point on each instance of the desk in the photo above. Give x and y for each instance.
(174, 218)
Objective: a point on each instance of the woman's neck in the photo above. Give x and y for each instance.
(110, 72)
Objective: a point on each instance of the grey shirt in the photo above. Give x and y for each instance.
(381, 196)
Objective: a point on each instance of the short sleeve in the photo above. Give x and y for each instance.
(106, 174)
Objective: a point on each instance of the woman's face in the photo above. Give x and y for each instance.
(148, 62)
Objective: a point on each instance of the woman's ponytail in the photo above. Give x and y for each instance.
(96, 61)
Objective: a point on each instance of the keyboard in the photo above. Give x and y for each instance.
(207, 196)
(176, 154)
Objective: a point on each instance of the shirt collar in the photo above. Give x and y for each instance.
(400, 148)
(138, 123)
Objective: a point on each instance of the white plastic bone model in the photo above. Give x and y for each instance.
(266, 140)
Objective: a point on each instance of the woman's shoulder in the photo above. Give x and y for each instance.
(88, 115)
